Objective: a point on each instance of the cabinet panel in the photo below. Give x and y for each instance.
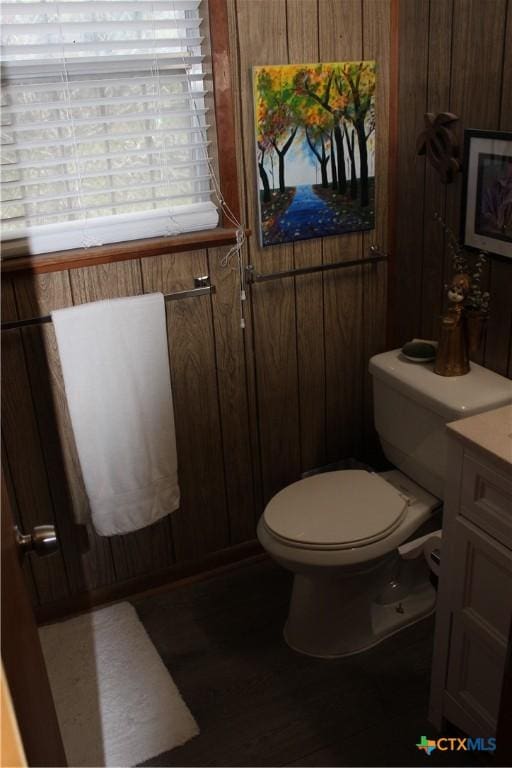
(475, 672)
(487, 499)
(483, 580)
(482, 608)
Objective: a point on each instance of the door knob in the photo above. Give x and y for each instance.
(43, 540)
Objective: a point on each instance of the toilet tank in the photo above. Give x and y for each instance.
(413, 404)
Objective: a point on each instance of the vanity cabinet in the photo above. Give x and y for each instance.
(474, 608)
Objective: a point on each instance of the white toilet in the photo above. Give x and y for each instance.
(338, 532)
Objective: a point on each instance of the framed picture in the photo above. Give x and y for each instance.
(315, 149)
(486, 221)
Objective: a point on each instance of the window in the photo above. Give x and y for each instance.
(104, 121)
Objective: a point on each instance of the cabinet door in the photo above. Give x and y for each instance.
(487, 499)
(482, 609)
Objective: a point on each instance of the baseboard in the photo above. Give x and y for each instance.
(171, 578)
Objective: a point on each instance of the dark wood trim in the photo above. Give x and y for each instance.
(394, 64)
(107, 254)
(224, 106)
(170, 578)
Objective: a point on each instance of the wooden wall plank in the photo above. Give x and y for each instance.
(340, 28)
(302, 29)
(475, 88)
(506, 84)
(499, 327)
(273, 304)
(467, 66)
(377, 20)
(498, 347)
(249, 326)
(341, 33)
(376, 45)
(276, 379)
(476, 79)
(23, 448)
(438, 100)
(106, 281)
(148, 549)
(87, 556)
(309, 299)
(405, 293)
(200, 525)
(343, 310)
(233, 397)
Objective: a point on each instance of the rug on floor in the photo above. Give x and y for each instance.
(116, 702)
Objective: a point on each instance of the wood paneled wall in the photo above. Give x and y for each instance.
(209, 385)
(254, 409)
(312, 335)
(456, 56)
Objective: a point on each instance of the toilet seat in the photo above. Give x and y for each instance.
(335, 510)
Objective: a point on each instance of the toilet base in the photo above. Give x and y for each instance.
(335, 617)
(368, 647)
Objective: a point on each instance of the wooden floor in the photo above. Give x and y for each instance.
(258, 703)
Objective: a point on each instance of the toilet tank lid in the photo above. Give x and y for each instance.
(452, 397)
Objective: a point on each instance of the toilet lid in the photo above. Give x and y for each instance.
(345, 509)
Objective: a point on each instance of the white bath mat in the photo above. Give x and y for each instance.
(116, 703)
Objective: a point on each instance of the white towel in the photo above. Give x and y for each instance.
(116, 374)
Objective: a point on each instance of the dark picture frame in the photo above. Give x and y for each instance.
(486, 213)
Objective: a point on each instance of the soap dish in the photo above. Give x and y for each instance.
(419, 351)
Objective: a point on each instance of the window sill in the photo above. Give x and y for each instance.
(107, 254)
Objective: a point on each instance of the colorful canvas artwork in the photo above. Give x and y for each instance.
(315, 149)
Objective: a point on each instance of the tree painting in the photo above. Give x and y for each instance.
(316, 124)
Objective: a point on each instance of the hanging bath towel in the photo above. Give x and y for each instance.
(116, 375)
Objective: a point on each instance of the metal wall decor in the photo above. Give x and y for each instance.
(440, 143)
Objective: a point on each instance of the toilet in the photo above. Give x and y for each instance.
(339, 532)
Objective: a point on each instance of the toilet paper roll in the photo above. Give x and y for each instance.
(433, 545)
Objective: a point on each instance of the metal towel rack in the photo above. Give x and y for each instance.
(202, 287)
(256, 277)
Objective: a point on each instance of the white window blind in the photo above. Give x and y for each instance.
(104, 121)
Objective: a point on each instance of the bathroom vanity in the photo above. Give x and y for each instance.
(475, 586)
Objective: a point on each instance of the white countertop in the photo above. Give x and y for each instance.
(490, 432)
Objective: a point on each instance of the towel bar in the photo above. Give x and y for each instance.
(202, 288)
(256, 277)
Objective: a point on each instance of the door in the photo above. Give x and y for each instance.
(22, 657)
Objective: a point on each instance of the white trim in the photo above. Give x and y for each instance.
(161, 6)
(72, 160)
(172, 47)
(120, 228)
(135, 63)
(142, 98)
